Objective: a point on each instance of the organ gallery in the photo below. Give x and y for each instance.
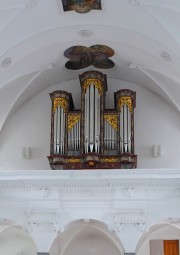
(92, 137)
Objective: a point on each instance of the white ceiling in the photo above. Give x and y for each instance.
(144, 34)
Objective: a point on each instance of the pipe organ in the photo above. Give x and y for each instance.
(93, 137)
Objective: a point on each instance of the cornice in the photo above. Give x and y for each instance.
(90, 180)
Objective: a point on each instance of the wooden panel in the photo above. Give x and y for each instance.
(171, 247)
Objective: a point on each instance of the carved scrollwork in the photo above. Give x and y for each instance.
(60, 101)
(72, 120)
(125, 100)
(97, 83)
(111, 119)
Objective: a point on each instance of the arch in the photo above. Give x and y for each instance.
(93, 236)
(164, 230)
(15, 239)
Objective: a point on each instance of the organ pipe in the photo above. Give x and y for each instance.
(126, 125)
(93, 135)
(92, 119)
(110, 127)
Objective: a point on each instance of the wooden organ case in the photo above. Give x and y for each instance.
(93, 137)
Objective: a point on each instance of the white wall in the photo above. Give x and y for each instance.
(156, 247)
(156, 122)
(130, 208)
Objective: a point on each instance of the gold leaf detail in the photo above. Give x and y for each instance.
(126, 100)
(60, 101)
(97, 83)
(110, 160)
(74, 160)
(72, 120)
(111, 119)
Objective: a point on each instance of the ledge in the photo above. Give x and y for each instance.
(78, 174)
(93, 179)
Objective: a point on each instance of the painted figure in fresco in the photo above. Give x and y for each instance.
(81, 6)
(82, 57)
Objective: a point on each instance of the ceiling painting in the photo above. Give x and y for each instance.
(81, 57)
(81, 6)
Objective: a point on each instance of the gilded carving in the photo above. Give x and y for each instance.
(110, 160)
(97, 83)
(60, 101)
(74, 160)
(125, 100)
(111, 119)
(72, 120)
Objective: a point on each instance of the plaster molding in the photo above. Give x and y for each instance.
(44, 218)
(98, 180)
(131, 216)
(127, 201)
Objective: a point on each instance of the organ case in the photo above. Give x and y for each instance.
(92, 137)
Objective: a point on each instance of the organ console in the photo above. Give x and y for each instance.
(93, 137)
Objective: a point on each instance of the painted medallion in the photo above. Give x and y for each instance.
(81, 6)
(81, 57)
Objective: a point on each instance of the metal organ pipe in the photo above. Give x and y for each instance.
(105, 134)
(91, 109)
(110, 135)
(55, 132)
(74, 135)
(62, 132)
(73, 138)
(69, 140)
(77, 136)
(125, 130)
(97, 120)
(112, 140)
(87, 119)
(86, 131)
(92, 119)
(121, 131)
(129, 132)
(59, 130)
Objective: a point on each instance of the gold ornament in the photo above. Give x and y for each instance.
(97, 83)
(60, 101)
(126, 100)
(74, 160)
(72, 120)
(110, 160)
(111, 119)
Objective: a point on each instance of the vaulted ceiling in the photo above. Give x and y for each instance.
(144, 35)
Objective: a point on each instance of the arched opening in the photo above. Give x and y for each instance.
(159, 237)
(87, 237)
(15, 240)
